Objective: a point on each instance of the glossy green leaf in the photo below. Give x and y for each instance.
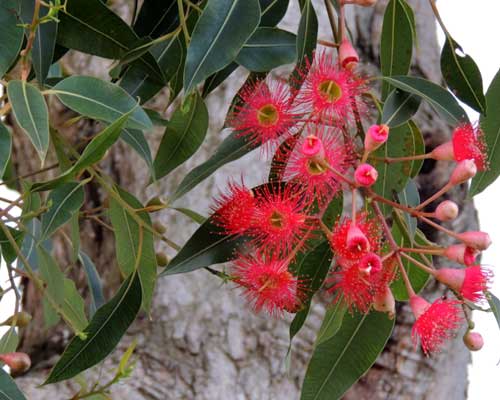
(9, 341)
(221, 31)
(45, 40)
(8, 388)
(404, 140)
(417, 276)
(307, 36)
(107, 327)
(32, 238)
(213, 81)
(63, 203)
(199, 219)
(156, 18)
(11, 35)
(440, 99)
(399, 108)
(272, 11)
(207, 246)
(134, 244)
(184, 134)
(339, 362)
(92, 154)
(5, 147)
(31, 114)
(396, 43)
(462, 75)
(232, 148)
(494, 303)
(94, 282)
(101, 100)
(490, 125)
(267, 49)
(332, 322)
(136, 139)
(410, 197)
(8, 252)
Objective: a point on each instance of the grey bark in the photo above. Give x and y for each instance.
(202, 341)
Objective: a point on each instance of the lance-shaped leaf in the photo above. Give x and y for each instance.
(232, 148)
(101, 100)
(8, 388)
(490, 124)
(399, 108)
(494, 303)
(31, 114)
(184, 134)
(216, 79)
(267, 49)
(9, 341)
(272, 11)
(134, 243)
(222, 30)
(11, 35)
(63, 203)
(396, 43)
(462, 75)
(332, 322)
(8, 252)
(440, 99)
(5, 148)
(340, 361)
(94, 282)
(156, 18)
(107, 327)
(136, 139)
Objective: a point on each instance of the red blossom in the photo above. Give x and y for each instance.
(468, 144)
(268, 284)
(435, 323)
(476, 282)
(328, 91)
(265, 113)
(234, 210)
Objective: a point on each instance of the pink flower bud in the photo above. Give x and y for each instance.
(385, 302)
(365, 175)
(376, 136)
(476, 239)
(418, 305)
(443, 152)
(347, 55)
(446, 211)
(356, 240)
(461, 254)
(451, 277)
(17, 362)
(470, 255)
(313, 147)
(464, 171)
(473, 341)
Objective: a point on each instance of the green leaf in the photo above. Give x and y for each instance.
(272, 11)
(417, 276)
(267, 49)
(134, 244)
(94, 282)
(396, 43)
(404, 140)
(221, 31)
(136, 139)
(8, 388)
(156, 18)
(74, 306)
(440, 99)
(184, 134)
(462, 75)
(490, 125)
(8, 252)
(101, 100)
(410, 197)
(307, 36)
(213, 81)
(11, 35)
(42, 52)
(107, 327)
(207, 246)
(399, 108)
(339, 362)
(199, 219)
(332, 322)
(494, 303)
(5, 148)
(31, 114)
(9, 341)
(92, 154)
(63, 203)
(232, 148)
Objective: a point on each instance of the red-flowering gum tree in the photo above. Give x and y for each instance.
(333, 211)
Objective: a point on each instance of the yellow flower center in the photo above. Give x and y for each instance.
(268, 115)
(330, 91)
(277, 220)
(315, 167)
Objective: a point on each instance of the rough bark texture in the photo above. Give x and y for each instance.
(202, 341)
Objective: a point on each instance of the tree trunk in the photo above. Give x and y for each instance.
(202, 341)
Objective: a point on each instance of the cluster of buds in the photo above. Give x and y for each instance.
(309, 132)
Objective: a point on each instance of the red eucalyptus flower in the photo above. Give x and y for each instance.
(468, 143)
